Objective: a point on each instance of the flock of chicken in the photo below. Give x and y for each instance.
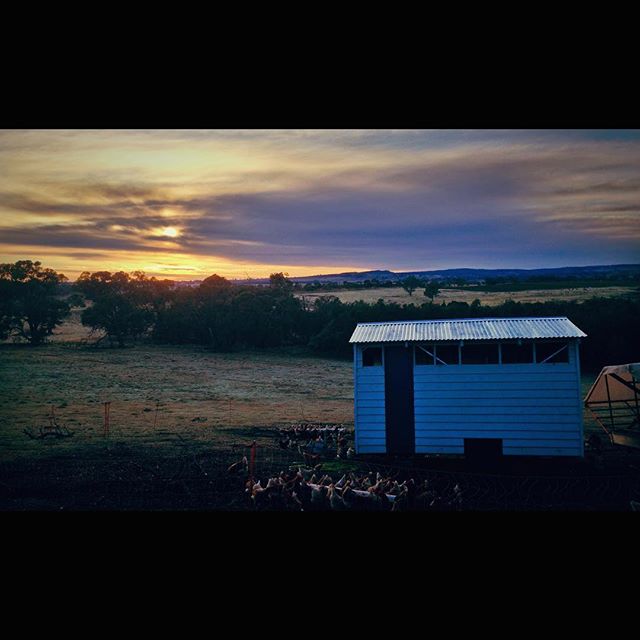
(302, 489)
(318, 441)
(306, 488)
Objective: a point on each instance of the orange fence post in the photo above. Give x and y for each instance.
(252, 460)
(107, 410)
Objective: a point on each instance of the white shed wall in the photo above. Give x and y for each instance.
(535, 409)
(369, 405)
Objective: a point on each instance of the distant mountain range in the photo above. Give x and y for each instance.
(621, 270)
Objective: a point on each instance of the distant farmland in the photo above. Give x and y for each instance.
(493, 298)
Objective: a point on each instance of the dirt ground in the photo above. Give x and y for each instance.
(399, 295)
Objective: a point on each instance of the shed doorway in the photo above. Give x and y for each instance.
(398, 382)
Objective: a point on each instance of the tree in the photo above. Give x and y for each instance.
(280, 281)
(6, 307)
(410, 284)
(214, 283)
(431, 290)
(123, 304)
(30, 307)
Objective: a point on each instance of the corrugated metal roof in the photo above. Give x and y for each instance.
(465, 329)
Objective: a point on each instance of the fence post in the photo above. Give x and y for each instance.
(107, 410)
(252, 460)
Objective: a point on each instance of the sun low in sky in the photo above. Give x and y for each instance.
(185, 204)
(169, 232)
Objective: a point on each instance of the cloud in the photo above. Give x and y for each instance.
(402, 200)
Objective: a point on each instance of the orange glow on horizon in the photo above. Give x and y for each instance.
(171, 266)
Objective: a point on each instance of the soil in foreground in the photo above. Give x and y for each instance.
(188, 474)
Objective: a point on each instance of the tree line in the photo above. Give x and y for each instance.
(223, 316)
(409, 284)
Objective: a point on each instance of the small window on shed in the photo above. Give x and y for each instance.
(424, 354)
(480, 354)
(447, 354)
(550, 352)
(372, 357)
(514, 353)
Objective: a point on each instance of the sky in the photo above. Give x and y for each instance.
(183, 204)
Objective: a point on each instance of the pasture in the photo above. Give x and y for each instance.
(198, 394)
(489, 299)
(179, 415)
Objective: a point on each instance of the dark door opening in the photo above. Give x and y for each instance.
(483, 449)
(398, 384)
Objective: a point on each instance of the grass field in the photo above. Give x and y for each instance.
(206, 404)
(197, 393)
(399, 295)
(200, 394)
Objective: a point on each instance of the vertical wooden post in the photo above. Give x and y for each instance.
(355, 397)
(107, 410)
(576, 353)
(155, 419)
(252, 460)
(606, 380)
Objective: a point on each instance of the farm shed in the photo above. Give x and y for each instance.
(449, 386)
(614, 402)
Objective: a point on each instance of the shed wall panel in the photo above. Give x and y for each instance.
(542, 451)
(369, 408)
(531, 407)
(534, 408)
(513, 434)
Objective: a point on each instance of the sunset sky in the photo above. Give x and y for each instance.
(185, 204)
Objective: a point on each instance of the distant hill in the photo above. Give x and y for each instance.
(472, 275)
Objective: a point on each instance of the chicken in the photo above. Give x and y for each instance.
(353, 501)
(303, 492)
(401, 502)
(335, 501)
(305, 473)
(310, 459)
(396, 489)
(383, 502)
(594, 443)
(237, 466)
(319, 498)
(294, 502)
(258, 495)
